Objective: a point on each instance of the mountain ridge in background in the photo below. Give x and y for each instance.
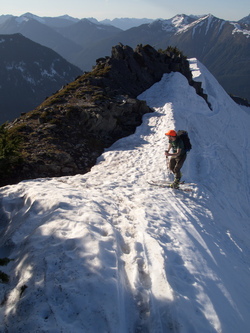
(223, 46)
(29, 72)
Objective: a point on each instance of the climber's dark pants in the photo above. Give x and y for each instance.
(176, 164)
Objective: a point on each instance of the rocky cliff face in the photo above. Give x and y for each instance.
(70, 129)
(139, 69)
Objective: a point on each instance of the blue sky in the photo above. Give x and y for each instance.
(101, 9)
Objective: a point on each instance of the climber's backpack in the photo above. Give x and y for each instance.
(184, 137)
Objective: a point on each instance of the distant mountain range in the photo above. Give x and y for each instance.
(29, 72)
(223, 46)
(66, 20)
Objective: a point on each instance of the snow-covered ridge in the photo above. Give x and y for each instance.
(238, 29)
(175, 24)
(106, 252)
(179, 24)
(194, 24)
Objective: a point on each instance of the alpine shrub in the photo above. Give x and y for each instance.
(9, 150)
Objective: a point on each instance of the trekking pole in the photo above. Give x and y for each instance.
(167, 163)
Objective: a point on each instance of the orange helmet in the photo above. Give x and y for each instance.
(171, 133)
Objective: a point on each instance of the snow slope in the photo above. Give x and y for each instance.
(107, 252)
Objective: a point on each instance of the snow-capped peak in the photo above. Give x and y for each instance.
(180, 23)
(197, 22)
(30, 16)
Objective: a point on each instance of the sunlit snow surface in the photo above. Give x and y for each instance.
(107, 252)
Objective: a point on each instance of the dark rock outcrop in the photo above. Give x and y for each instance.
(139, 69)
(70, 129)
